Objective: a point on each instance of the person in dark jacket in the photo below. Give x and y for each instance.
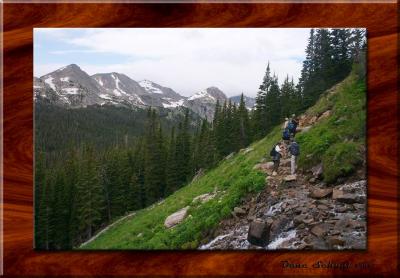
(276, 158)
(294, 150)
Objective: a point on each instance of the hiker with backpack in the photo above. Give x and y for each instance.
(292, 126)
(286, 136)
(294, 150)
(276, 154)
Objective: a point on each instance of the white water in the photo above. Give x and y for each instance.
(218, 238)
(281, 239)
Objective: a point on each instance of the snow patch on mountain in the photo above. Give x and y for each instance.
(173, 104)
(148, 86)
(201, 94)
(49, 81)
(71, 91)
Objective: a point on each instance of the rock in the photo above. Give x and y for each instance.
(359, 206)
(264, 166)
(139, 235)
(337, 193)
(278, 226)
(323, 207)
(290, 178)
(342, 224)
(308, 221)
(320, 193)
(204, 197)
(239, 211)
(341, 209)
(335, 240)
(320, 230)
(274, 173)
(313, 180)
(259, 232)
(176, 218)
(298, 219)
(347, 198)
(317, 170)
(324, 115)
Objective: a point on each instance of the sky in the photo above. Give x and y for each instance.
(187, 60)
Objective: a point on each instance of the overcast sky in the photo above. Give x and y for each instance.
(184, 59)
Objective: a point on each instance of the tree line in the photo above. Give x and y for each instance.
(84, 187)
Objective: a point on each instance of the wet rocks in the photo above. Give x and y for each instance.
(259, 232)
(320, 230)
(290, 178)
(176, 218)
(320, 193)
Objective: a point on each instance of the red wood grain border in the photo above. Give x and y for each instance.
(19, 21)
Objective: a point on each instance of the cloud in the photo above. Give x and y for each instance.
(187, 59)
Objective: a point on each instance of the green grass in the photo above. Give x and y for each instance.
(233, 178)
(335, 141)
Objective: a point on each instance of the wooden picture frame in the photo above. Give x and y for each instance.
(19, 258)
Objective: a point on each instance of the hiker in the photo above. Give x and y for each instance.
(294, 150)
(286, 136)
(285, 124)
(292, 125)
(276, 154)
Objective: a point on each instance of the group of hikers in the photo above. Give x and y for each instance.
(288, 145)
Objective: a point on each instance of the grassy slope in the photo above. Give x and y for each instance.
(339, 140)
(234, 178)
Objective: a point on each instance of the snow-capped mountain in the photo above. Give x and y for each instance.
(203, 102)
(168, 97)
(249, 101)
(119, 88)
(71, 87)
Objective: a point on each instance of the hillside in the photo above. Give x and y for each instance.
(333, 133)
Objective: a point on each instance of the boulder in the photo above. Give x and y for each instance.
(320, 230)
(259, 232)
(313, 180)
(298, 219)
(317, 170)
(347, 198)
(320, 193)
(176, 218)
(278, 226)
(337, 193)
(290, 178)
(239, 211)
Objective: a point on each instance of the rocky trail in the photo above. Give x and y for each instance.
(297, 212)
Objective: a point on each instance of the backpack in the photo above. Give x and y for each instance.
(291, 126)
(294, 149)
(273, 152)
(286, 134)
